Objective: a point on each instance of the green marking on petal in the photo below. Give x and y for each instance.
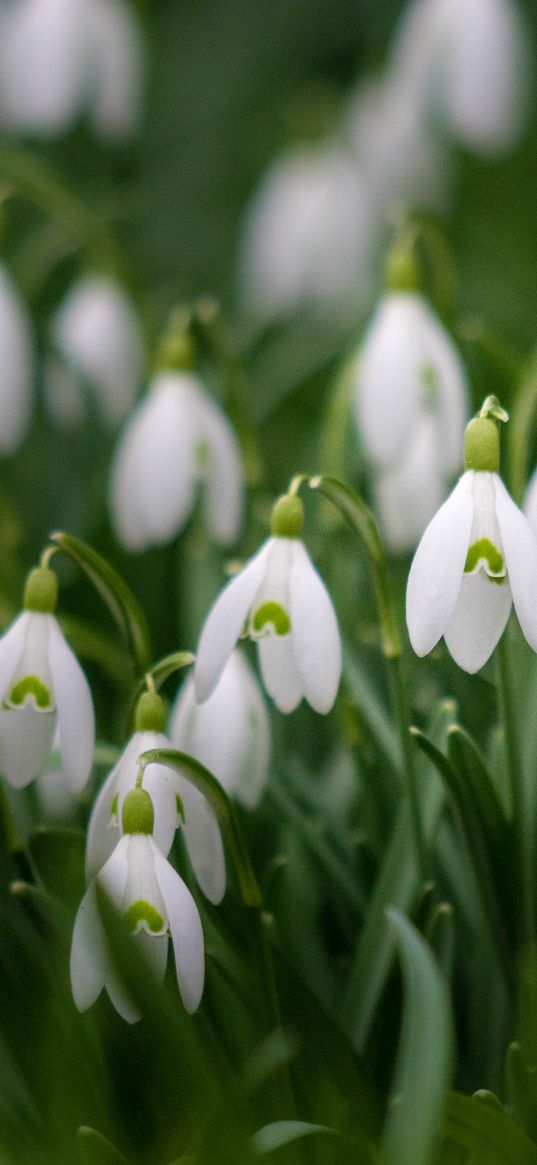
(271, 614)
(430, 384)
(202, 455)
(142, 914)
(30, 690)
(484, 553)
(113, 810)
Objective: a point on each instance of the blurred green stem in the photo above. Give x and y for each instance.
(520, 818)
(402, 716)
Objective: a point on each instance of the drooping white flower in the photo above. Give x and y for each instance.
(97, 334)
(283, 602)
(177, 437)
(16, 366)
(168, 790)
(154, 902)
(476, 558)
(229, 733)
(60, 58)
(45, 701)
(468, 65)
(410, 408)
(307, 237)
(530, 502)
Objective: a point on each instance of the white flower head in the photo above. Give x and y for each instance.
(176, 803)
(477, 556)
(229, 733)
(16, 366)
(96, 333)
(287, 610)
(410, 407)
(530, 502)
(60, 58)
(307, 234)
(177, 437)
(45, 701)
(154, 902)
(469, 65)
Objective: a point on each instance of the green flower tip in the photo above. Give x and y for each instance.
(176, 351)
(138, 813)
(287, 518)
(41, 590)
(402, 268)
(150, 713)
(482, 445)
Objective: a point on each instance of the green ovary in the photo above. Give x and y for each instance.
(30, 689)
(484, 552)
(271, 614)
(142, 914)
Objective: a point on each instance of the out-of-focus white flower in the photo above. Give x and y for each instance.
(229, 733)
(59, 58)
(45, 701)
(530, 502)
(307, 237)
(154, 902)
(200, 829)
(16, 366)
(177, 437)
(410, 407)
(468, 64)
(476, 558)
(288, 612)
(97, 334)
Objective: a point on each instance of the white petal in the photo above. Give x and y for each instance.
(76, 720)
(44, 65)
(113, 875)
(88, 960)
(436, 572)
(225, 622)
(163, 785)
(448, 402)
(279, 671)
(12, 644)
(520, 553)
(478, 620)
(118, 63)
(409, 494)
(103, 837)
(224, 478)
(186, 932)
(154, 949)
(315, 637)
(26, 739)
(16, 366)
(530, 502)
(203, 841)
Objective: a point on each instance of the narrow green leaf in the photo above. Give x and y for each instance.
(96, 1149)
(521, 430)
(114, 592)
(414, 1121)
(222, 806)
(373, 711)
(522, 1089)
(280, 1133)
(480, 1129)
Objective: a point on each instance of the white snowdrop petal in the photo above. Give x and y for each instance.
(112, 878)
(409, 494)
(520, 553)
(16, 366)
(12, 644)
(44, 62)
(530, 502)
(225, 622)
(102, 836)
(26, 739)
(118, 65)
(315, 637)
(224, 477)
(166, 469)
(76, 719)
(436, 572)
(186, 932)
(154, 949)
(204, 845)
(448, 401)
(126, 486)
(162, 784)
(478, 620)
(279, 671)
(88, 960)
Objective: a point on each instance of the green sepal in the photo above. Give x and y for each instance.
(138, 813)
(41, 590)
(287, 519)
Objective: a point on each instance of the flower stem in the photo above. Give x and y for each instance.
(520, 818)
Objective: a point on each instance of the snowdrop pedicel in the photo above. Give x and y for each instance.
(287, 610)
(476, 558)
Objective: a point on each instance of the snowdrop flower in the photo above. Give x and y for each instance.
(176, 437)
(410, 408)
(469, 65)
(287, 611)
(45, 701)
(98, 337)
(530, 502)
(307, 237)
(229, 733)
(201, 833)
(61, 57)
(477, 556)
(16, 366)
(154, 902)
